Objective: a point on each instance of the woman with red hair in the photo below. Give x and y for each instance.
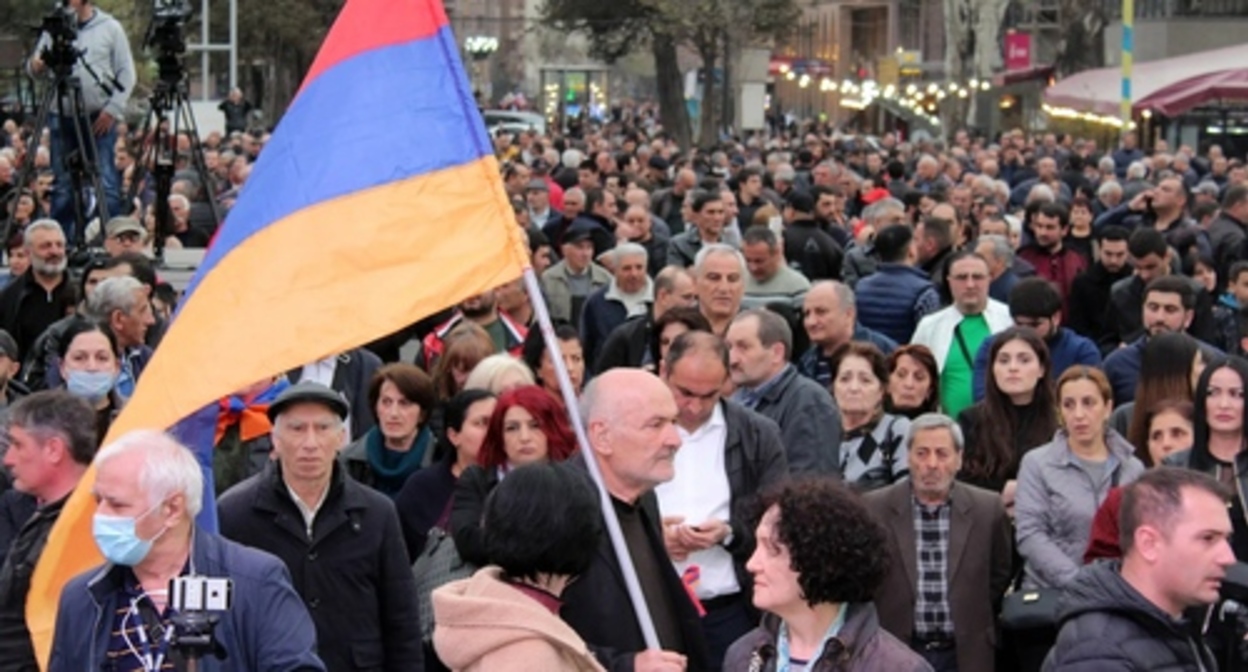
(528, 425)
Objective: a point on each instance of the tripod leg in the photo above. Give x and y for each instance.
(101, 168)
(183, 106)
(145, 156)
(28, 161)
(77, 162)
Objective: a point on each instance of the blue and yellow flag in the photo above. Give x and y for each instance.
(377, 202)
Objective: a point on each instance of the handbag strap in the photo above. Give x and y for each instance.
(966, 351)
(444, 520)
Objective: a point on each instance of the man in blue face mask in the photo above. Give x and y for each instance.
(149, 489)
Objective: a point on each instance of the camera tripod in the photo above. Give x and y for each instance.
(79, 156)
(169, 114)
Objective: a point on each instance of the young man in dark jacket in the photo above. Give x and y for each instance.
(1130, 615)
(1089, 293)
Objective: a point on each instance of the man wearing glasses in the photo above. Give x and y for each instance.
(955, 333)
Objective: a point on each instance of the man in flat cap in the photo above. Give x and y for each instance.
(340, 539)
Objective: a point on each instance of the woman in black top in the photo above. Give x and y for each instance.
(1017, 412)
(425, 499)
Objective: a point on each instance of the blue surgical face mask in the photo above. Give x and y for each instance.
(90, 385)
(118, 540)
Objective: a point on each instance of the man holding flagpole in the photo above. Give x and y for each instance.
(630, 421)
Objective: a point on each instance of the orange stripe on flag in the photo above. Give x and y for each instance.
(323, 280)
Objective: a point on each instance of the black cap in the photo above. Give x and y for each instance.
(658, 163)
(581, 229)
(800, 201)
(308, 391)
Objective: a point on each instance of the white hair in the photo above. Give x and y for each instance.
(572, 158)
(1001, 249)
(714, 249)
(28, 234)
(1105, 165)
(489, 372)
(179, 198)
(1109, 187)
(1041, 193)
(168, 467)
(113, 294)
(929, 421)
(1137, 170)
(785, 173)
(629, 250)
(1001, 189)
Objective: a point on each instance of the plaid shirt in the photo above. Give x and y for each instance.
(932, 618)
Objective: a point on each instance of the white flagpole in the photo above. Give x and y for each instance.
(608, 510)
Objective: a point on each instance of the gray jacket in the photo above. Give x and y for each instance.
(859, 263)
(559, 291)
(810, 423)
(861, 646)
(682, 249)
(107, 51)
(1055, 503)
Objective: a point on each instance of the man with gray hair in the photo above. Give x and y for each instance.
(784, 179)
(308, 511)
(760, 345)
(51, 441)
(150, 488)
(860, 259)
(629, 294)
(187, 236)
(629, 345)
(728, 455)
(830, 317)
(124, 305)
(31, 303)
(950, 545)
(770, 278)
(996, 250)
(719, 280)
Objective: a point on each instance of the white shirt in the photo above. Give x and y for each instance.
(307, 511)
(634, 304)
(321, 372)
(700, 492)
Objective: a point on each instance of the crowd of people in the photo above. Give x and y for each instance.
(856, 404)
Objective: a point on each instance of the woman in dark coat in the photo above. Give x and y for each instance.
(425, 499)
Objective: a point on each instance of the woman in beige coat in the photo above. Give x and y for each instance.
(506, 616)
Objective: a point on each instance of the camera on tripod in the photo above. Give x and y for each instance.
(61, 27)
(165, 35)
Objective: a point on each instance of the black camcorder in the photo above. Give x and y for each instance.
(61, 27)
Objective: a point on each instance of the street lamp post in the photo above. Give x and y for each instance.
(479, 48)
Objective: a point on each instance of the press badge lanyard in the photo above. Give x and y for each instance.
(784, 659)
(151, 660)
